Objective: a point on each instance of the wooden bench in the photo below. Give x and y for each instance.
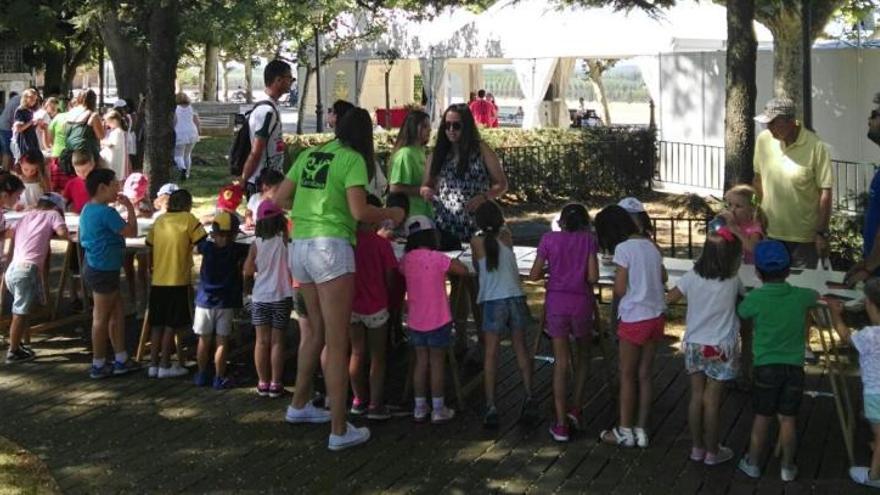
(217, 119)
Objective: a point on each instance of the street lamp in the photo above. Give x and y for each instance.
(316, 15)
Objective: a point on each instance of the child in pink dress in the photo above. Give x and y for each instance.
(744, 218)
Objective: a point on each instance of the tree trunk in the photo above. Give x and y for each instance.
(741, 91)
(161, 72)
(212, 58)
(249, 79)
(53, 77)
(595, 70)
(301, 114)
(128, 57)
(225, 81)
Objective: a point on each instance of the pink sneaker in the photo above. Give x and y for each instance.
(263, 389)
(559, 433)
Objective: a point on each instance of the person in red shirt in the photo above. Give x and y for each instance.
(75, 193)
(482, 109)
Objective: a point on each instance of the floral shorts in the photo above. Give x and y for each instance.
(708, 360)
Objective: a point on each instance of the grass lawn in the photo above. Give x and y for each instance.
(210, 171)
(22, 472)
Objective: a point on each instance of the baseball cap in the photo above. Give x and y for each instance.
(418, 223)
(136, 186)
(268, 209)
(771, 256)
(631, 205)
(230, 197)
(119, 103)
(54, 198)
(775, 108)
(167, 189)
(225, 222)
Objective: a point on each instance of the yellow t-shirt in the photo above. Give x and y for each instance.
(172, 239)
(792, 178)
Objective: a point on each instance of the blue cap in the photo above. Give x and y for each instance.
(771, 256)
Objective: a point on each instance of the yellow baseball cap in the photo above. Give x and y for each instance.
(225, 222)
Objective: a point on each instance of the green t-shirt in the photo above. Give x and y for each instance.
(320, 206)
(780, 313)
(58, 134)
(408, 169)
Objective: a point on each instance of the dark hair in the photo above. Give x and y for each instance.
(373, 200)
(233, 225)
(720, 258)
(409, 131)
(180, 200)
(644, 222)
(468, 145)
(98, 177)
(270, 177)
(33, 156)
(90, 100)
(341, 108)
(268, 228)
(428, 238)
(45, 204)
(490, 219)
(9, 183)
(872, 290)
(355, 130)
(777, 276)
(398, 200)
(481, 93)
(613, 226)
(275, 69)
(574, 217)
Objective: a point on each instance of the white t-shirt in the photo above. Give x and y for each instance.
(867, 342)
(254, 203)
(711, 312)
(645, 293)
(263, 123)
(185, 131)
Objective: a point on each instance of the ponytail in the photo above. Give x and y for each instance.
(490, 220)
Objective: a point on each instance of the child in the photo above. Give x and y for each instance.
(218, 297)
(11, 189)
(102, 233)
(113, 149)
(375, 263)
(744, 218)
(271, 296)
(574, 268)
(637, 212)
(31, 171)
(23, 277)
(710, 344)
(171, 242)
(136, 189)
(160, 204)
(429, 319)
(268, 183)
(75, 192)
(639, 284)
(779, 311)
(503, 306)
(867, 343)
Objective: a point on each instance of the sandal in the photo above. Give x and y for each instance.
(622, 437)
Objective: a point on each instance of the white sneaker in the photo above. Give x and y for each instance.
(442, 415)
(353, 436)
(152, 372)
(641, 437)
(173, 371)
(308, 414)
(788, 473)
(861, 475)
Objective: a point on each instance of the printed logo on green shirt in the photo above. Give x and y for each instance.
(316, 169)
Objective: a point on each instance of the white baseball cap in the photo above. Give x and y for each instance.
(631, 205)
(167, 189)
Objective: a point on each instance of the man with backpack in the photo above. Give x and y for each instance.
(263, 124)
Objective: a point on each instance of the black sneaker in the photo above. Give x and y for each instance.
(490, 418)
(18, 356)
(27, 349)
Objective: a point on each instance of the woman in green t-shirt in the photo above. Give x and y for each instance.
(327, 186)
(408, 161)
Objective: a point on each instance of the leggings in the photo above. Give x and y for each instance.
(183, 156)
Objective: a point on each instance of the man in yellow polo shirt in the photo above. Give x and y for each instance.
(793, 179)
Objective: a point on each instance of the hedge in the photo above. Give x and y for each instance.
(549, 164)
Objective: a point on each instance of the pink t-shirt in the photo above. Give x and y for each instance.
(76, 194)
(427, 303)
(32, 235)
(749, 229)
(568, 255)
(373, 257)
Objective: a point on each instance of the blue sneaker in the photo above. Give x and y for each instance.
(201, 379)
(99, 372)
(124, 368)
(222, 383)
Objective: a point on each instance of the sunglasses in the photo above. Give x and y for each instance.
(451, 126)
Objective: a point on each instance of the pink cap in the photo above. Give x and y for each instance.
(268, 209)
(136, 186)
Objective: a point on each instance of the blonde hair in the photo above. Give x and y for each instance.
(80, 157)
(749, 193)
(28, 93)
(181, 98)
(114, 115)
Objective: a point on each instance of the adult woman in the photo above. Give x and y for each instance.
(45, 115)
(337, 111)
(378, 184)
(84, 128)
(24, 126)
(330, 198)
(408, 161)
(114, 148)
(186, 134)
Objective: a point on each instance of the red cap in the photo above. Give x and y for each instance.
(230, 197)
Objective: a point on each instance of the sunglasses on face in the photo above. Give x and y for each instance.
(452, 126)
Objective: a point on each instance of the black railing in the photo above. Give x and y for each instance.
(680, 237)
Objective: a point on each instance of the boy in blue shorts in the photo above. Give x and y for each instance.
(779, 311)
(102, 233)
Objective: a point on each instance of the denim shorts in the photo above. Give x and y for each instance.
(439, 338)
(510, 314)
(777, 389)
(101, 281)
(321, 259)
(719, 368)
(23, 282)
(872, 408)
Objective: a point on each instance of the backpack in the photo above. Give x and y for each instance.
(80, 137)
(241, 142)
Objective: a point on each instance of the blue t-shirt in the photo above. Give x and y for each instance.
(220, 279)
(99, 227)
(872, 215)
